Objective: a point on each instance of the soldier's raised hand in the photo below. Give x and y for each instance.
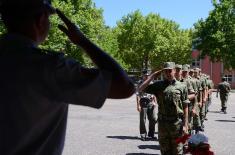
(157, 73)
(70, 29)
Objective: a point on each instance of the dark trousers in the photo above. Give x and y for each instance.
(149, 112)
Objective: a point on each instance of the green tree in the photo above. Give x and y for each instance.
(90, 21)
(215, 36)
(147, 42)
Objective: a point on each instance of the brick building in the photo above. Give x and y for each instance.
(215, 70)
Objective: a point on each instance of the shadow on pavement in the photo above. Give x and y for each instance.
(225, 120)
(141, 154)
(124, 137)
(214, 111)
(233, 117)
(154, 147)
(151, 139)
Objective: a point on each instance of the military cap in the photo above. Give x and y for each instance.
(169, 65)
(191, 70)
(196, 69)
(185, 68)
(16, 8)
(188, 65)
(178, 66)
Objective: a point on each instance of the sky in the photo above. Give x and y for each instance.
(183, 12)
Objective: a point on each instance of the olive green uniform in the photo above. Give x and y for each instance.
(224, 89)
(210, 85)
(202, 109)
(172, 98)
(198, 90)
(190, 90)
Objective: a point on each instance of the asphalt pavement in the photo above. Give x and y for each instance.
(113, 129)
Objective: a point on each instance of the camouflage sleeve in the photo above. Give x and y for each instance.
(210, 85)
(199, 85)
(203, 84)
(152, 88)
(190, 87)
(184, 96)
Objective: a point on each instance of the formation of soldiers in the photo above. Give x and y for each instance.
(183, 98)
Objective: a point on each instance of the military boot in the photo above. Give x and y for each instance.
(143, 137)
(225, 112)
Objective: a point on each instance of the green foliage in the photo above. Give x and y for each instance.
(2, 28)
(86, 16)
(215, 36)
(137, 42)
(147, 42)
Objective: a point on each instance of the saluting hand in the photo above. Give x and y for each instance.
(71, 30)
(157, 73)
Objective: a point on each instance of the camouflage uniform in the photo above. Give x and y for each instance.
(196, 119)
(187, 81)
(224, 89)
(210, 85)
(172, 98)
(202, 80)
(191, 90)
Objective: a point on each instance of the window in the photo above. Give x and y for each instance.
(196, 63)
(229, 78)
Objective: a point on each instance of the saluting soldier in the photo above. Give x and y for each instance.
(173, 103)
(38, 85)
(224, 89)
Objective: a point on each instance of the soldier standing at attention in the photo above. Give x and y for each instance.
(202, 79)
(178, 72)
(224, 89)
(192, 89)
(146, 104)
(196, 119)
(173, 103)
(210, 86)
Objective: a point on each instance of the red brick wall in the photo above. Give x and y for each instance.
(215, 70)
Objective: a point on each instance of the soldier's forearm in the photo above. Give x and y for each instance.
(186, 116)
(146, 83)
(191, 96)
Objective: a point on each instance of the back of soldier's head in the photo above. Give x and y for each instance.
(19, 12)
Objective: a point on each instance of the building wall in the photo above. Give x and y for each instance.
(215, 70)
